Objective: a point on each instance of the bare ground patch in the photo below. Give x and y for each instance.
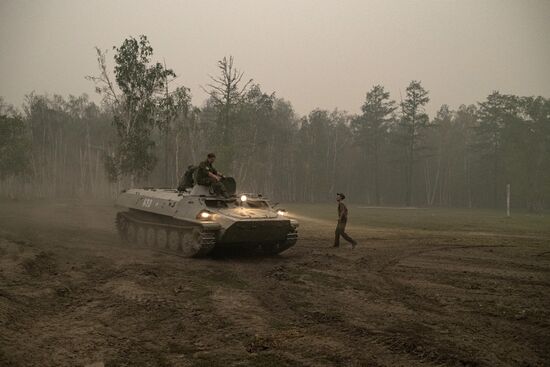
(72, 295)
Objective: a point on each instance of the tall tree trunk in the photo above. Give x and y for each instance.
(90, 183)
(334, 174)
(436, 183)
(495, 180)
(376, 173)
(166, 179)
(408, 198)
(176, 157)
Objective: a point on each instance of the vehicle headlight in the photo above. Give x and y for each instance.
(243, 198)
(281, 212)
(204, 215)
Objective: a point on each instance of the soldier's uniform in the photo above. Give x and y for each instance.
(203, 178)
(187, 181)
(341, 226)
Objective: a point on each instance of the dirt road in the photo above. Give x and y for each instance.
(72, 295)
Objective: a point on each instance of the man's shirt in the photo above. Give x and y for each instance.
(203, 170)
(342, 212)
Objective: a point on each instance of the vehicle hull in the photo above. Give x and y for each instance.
(167, 219)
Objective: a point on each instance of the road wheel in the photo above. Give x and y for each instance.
(188, 244)
(193, 244)
(162, 238)
(131, 234)
(173, 242)
(141, 236)
(151, 237)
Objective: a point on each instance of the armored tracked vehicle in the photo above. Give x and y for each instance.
(195, 221)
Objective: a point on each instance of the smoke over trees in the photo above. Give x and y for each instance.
(390, 154)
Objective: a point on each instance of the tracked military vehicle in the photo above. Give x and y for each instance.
(195, 221)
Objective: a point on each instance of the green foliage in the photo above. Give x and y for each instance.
(498, 117)
(413, 120)
(142, 106)
(371, 130)
(513, 141)
(495, 115)
(324, 139)
(14, 147)
(413, 105)
(413, 117)
(175, 106)
(377, 115)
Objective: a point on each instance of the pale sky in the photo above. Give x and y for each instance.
(323, 54)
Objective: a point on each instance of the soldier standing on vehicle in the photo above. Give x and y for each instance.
(207, 175)
(342, 221)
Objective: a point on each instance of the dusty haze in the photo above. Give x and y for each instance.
(323, 54)
(447, 262)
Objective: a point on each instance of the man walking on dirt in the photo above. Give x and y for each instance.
(207, 175)
(342, 221)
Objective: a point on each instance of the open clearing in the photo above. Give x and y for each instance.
(423, 288)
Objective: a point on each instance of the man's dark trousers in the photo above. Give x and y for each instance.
(218, 187)
(341, 231)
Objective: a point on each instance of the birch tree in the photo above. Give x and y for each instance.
(142, 86)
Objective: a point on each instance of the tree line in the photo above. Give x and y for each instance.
(145, 133)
